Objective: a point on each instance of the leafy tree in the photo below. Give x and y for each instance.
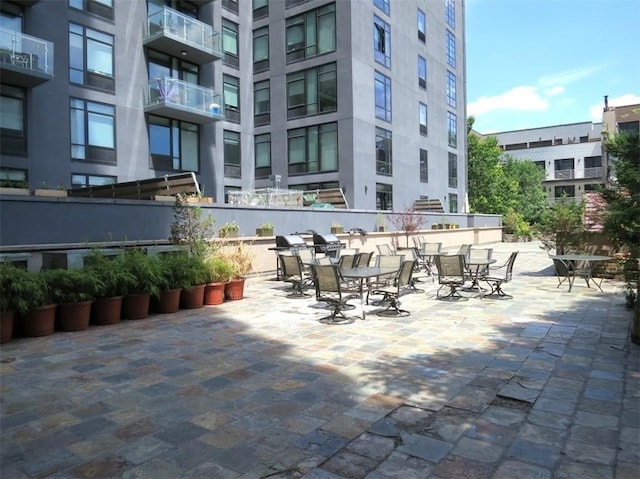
(191, 227)
(561, 227)
(530, 199)
(622, 217)
(408, 220)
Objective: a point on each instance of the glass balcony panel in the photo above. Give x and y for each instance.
(25, 60)
(178, 35)
(184, 101)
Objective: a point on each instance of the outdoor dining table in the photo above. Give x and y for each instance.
(588, 260)
(362, 273)
(475, 267)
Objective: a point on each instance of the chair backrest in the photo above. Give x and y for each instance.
(347, 261)
(389, 261)
(417, 242)
(384, 250)
(479, 254)
(509, 273)
(431, 248)
(324, 260)
(291, 265)
(406, 272)
(562, 268)
(450, 267)
(349, 251)
(306, 254)
(363, 259)
(464, 250)
(326, 279)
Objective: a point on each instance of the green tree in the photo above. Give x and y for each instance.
(622, 217)
(561, 227)
(530, 199)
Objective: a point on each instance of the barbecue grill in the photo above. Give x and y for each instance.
(290, 242)
(327, 243)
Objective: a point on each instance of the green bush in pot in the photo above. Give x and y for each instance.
(113, 273)
(148, 272)
(21, 290)
(72, 285)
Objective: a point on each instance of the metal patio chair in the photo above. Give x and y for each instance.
(328, 285)
(293, 272)
(391, 294)
(452, 274)
(496, 281)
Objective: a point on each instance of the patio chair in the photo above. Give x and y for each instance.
(564, 272)
(327, 282)
(496, 281)
(385, 261)
(452, 274)
(479, 254)
(363, 259)
(420, 269)
(306, 255)
(293, 272)
(385, 250)
(391, 294)
(427, 252)
(346, 261)
(464, 250)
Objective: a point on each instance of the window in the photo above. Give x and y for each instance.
(382, 42)
(563, 169)
(313, 149)
(384, 196)
(313, 91)
(103, 8)
(13, 138)
(173, 144)
(451, 49)
(453, 203)
(383, 5)
(383, 96)
(453, 170)
(450, 13)
(261, 103)
(540, 164)
(567, 190)
(93, 133)
(161, 65)
(423, 119)
(452, 129)
(13, 178)
(232, 167)
(424, 166)
(91, 58)
(422, 72)
(231, 93)
(79, 180)
(261, 49)
(230, 43)
(384, 159)
(451, 90)
(231, 5)
(592, 161)
(260, 9)
(422, 26)
(263, 155)
(312, 33)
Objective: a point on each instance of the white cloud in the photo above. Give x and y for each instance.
(556, 90)
(521, 98)
(595, 111)
(567, 76)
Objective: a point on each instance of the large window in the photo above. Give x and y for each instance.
(161, 65)
(231, 93)
(424, 166)
(568, 191)
(79, 180)
(173, 144)
(451, 49)
(263, 155)
(452, 129)
(383, 5)
(260, 9)
(422, 72)
(313, 149)
(563, 168)
(451, 90)
(422, 26)
(103, 8)
(261, 49)
(384, 159)
(13, 138)
(91, 58)
(384, 196)
(312, 33)
(423, 118)
(453, 170)
(232, 156)
(383, 96)
(93, 133)
(382, 42)
(261, 103)
(453, 203)
(451, 13)
(13, 178)
(313, 91)
(230, 43)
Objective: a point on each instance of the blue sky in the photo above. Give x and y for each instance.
(535, 63)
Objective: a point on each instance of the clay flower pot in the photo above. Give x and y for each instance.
(234, 289)
(106, 310)
(74, 316)
(168, 301)
(192, 298)
(39, 321)
(135, 306)
(214, 294)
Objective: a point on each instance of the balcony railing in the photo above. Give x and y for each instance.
(564, 174)
(185, 101)
(177, 34)
(25, 60)
(563, 199)
(595, 172)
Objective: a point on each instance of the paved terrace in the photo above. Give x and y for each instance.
(545, 385)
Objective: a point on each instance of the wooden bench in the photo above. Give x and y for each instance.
(149, 189)
(335, 196)
(428, 204)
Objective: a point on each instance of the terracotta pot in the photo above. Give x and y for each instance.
(106, 310)
(6, 326)
(74, 316)
(234, 289)
(192, 298)
(39, 321)
(168, 301)
(214, 293)
(135, 306)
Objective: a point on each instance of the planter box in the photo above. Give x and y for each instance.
(437, 226)
(381, 229)
(228, 233)
(50, 193)
(5, 190)
(264, 231)
(336, 230)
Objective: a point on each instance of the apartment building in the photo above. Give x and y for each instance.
(365, 95)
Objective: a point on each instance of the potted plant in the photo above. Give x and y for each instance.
(115, 280)
(191, 227)
(73, 290)
(219, 272)
(192, 296)
(20, 292)
(336, 228)
(149, 277)
(229, 230)
(265, 229)
(185, 274)
(240, 256)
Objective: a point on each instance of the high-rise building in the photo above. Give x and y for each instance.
(365, 95)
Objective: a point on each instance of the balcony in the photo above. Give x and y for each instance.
(595, 172)
(181, 36)
(564, 174)
(183, 101)
(25, 61)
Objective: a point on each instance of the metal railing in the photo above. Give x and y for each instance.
(563, 199)
(172, 23)
(564, 174)
(26, 52)
(185, 95)
(595, 172)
